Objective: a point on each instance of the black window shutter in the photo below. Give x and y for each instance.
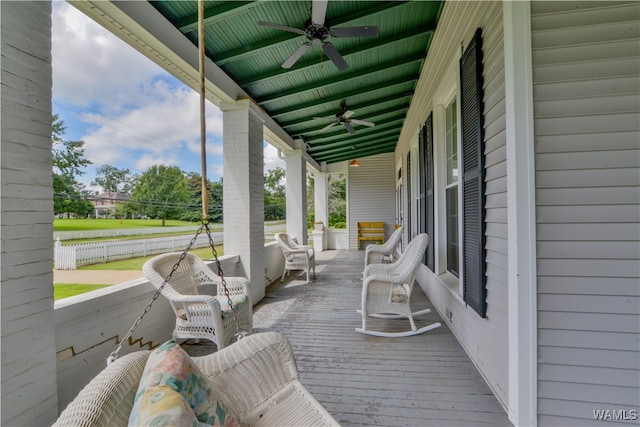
(409, 226)
(425, 148)
(422, 228)
(429, 206)
(472, 165)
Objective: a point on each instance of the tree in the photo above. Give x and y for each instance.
(214, 190)
(161, 192)
(275, 199)
(337, 199)
(68, 161)
(112, 179)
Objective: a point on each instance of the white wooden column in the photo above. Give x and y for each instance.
(296, 188)
(29, 385)
(522, 308)
(321, 197)
(321, 206)
(243, 190)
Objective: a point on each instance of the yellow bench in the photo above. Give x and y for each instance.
(373, 231)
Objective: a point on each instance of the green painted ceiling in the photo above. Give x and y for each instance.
(377, 86)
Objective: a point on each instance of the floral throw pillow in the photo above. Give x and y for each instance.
(399, 293)
(173, 391)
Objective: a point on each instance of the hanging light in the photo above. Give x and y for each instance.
(354, 164)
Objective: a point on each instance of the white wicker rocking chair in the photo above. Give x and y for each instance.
(201, 316)
(386, 291)
(385, 252)
(296, 257)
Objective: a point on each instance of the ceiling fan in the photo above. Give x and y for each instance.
(316, 30)
(344, 118)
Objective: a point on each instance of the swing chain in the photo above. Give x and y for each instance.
(114, 355)
(223, 282)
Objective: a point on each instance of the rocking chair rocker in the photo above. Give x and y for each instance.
(386, 290)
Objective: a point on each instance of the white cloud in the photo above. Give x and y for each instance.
(145, 161)
(271, 159)
(90, 65)
(166, 121)
(134, 114)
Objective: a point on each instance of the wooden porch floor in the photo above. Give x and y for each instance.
(423, 380)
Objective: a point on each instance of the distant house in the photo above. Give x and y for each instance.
(105, 203)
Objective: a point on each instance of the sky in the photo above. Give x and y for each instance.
(129, 112)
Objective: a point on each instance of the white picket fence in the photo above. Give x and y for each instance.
(69, 257)
(119, 232)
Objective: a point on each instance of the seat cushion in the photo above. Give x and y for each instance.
(238, 302)
(173, 391)
(399, 293)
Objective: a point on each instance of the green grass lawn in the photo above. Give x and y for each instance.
(136, 263)
(75, 224)
(66, 290)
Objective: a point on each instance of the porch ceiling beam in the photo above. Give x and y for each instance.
(350, 151)
(340, 79)
(356, 92)
(360, 144)
(214, 14)
(385, 147)
(245, 51)
(302, 66)
(361, 132)
(360, 106)
(400, 110)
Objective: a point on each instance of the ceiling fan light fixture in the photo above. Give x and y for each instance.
(354, 164)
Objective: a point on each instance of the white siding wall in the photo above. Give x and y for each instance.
(485, 340)
(586, 73)
(28, 342)
(371, 195)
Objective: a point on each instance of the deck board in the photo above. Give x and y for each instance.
(424, 380)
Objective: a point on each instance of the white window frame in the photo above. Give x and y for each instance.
(448, 91)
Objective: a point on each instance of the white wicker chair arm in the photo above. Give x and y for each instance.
(298, 251)
(389, 278)
(377, 269)
(235, 286)
(194, 299)
(107, 400)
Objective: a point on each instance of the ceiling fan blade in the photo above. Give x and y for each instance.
(280, 27)
(333, 54)
(348, 114)
(371, 31)
(328, 126)
(296, 55)
(318, 11)
(349, 127)
(363, 123)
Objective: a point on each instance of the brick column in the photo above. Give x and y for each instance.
(29, 386)
(296, 187)
(243, 195)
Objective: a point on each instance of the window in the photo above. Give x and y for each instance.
(451, 187)
(452, 179)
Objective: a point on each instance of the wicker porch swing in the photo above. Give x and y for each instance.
(253, 382)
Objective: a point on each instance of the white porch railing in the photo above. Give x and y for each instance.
(69, 257)
(93, 234)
